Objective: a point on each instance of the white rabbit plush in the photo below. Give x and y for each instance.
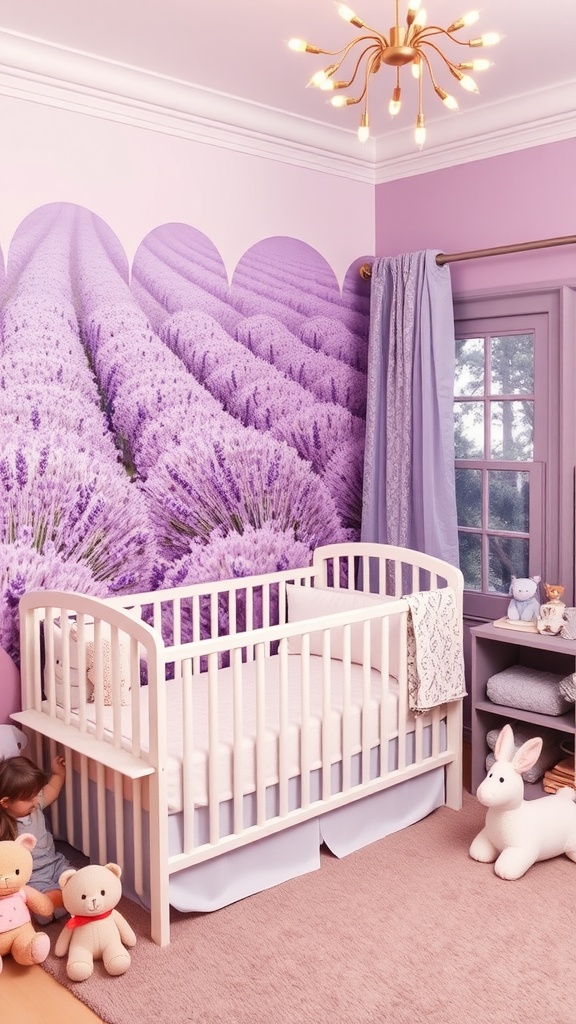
(520, 832)
(12, 741)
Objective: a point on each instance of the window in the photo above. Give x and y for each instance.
(510, 481)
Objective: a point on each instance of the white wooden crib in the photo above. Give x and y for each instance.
(216, 734)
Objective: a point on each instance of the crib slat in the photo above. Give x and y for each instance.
(213, 741)
(84, 805)
(238, 732)
(69, 796)
(188, 765)
(366, 681)
(284, 725)
(346, 709)
(137, 847)
(119, 819)
(402, 694)
(260, 736)
(102, 831)
(326, 716)
(384, 694)
(305, 726)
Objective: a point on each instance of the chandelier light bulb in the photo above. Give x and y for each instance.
(468, 83)
(364, 129)
(448, 100)
(476, 65)
(348, 15)
(488, 39)
(395, 103)
(413, 44)
(420, 133)
(320, 77)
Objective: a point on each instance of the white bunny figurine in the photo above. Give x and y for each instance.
(519, 832)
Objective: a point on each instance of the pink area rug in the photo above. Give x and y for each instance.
(408, 930)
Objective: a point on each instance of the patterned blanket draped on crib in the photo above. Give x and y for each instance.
(435, 659)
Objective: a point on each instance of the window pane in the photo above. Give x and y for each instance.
(507, 557)
(512, 431)
(469, 497)
(470, 549)
(512, 365)
(508, 501)
(469, 430)
(469, 367)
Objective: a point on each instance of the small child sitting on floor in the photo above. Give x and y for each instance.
(25, 791)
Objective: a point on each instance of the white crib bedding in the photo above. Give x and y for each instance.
(293, 702)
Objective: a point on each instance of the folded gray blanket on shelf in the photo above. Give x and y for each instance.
(531, 690)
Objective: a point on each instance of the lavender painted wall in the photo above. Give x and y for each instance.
(522, 196)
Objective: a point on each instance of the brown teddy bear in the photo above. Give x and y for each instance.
(96, 930)
(17, 933)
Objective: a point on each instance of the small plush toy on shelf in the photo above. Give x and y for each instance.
(524, 605)
(551, 615)
(17, 933)
(519, 832)
(96, 930)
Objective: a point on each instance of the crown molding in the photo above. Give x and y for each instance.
(41, 72)
(531, 120)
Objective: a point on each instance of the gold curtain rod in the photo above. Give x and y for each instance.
(365, 270)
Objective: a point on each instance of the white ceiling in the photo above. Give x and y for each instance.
(239, 49)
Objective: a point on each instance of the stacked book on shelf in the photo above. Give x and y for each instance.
(561, 774)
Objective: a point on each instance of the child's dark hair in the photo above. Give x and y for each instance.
(20, 779)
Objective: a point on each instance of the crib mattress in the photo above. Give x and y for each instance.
(220, 768)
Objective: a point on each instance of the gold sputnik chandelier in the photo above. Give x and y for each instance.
(414, 43)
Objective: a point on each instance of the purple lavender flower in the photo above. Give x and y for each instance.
(266, 489)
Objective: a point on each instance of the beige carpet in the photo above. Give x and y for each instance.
(407, 930)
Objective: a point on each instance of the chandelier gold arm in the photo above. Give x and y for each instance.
(370, 69)
(343, 53)
(424, 56)
(450, 64)
(435, 30)
(344, 85)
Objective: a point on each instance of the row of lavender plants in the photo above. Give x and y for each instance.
(270, 381)
(223, 499)
(287, 269)
(69, 515)
(193, 280)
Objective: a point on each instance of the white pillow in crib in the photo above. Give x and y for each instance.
(105, 634)
(310, 602)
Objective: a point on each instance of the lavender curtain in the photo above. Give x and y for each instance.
(408, 492)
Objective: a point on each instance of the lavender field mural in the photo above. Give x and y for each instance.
(170, 426)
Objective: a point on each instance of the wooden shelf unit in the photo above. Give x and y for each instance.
(495, 649)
